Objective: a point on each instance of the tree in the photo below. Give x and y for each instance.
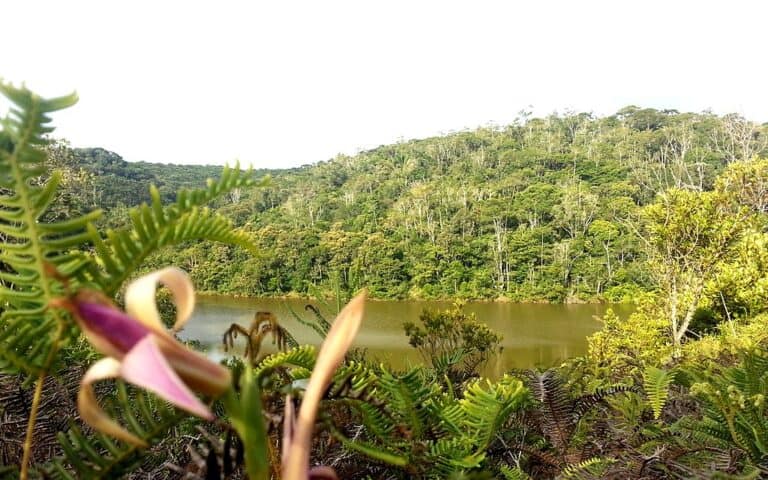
(688, 234)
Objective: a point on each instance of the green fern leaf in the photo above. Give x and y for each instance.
(371, 451)
(487, 408)
(592, 468)
(656, 383)
(100, 457)
(513, 473)
(408, 396)
(303, 356)
(27, 327)
(453, 454)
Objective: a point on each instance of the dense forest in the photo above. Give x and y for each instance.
(541, 210)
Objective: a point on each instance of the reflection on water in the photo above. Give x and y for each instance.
(534, 334)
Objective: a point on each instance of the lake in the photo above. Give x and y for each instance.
(534, 334)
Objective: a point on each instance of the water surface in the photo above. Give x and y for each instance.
(534, 334)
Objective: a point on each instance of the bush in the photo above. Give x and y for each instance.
(453, 342)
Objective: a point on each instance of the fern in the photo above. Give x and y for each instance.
(556, 414)
(27, 328)
(593, 468)
(513, 473)
(98, 456)
(370, 450)
(303, 356)
(734, 406)
(408, 395)
(656, 383)
(453, 454)
(408, 416)
(354, 380)
(320, 325)
(486, 409)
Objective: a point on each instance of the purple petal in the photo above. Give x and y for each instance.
(105, 323)
(146, 367)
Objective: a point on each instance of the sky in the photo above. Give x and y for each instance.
(278, 84)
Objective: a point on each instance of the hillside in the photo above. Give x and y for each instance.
(539, 210)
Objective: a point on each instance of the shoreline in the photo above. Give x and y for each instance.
(499, 300)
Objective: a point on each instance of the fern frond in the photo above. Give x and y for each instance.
(371, 451)
(353, 380)
(656, 384)
(593, 468)
(374, 420)
(27, 326)
(98, 456)
(588, 402)
(303, 356)
(408, 396)
(453, 454)
(706, 431)
(555, 413)
(320, 325)
(487, 408)
(155, 226)
(513, 473)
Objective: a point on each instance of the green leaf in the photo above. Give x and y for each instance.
(245, 414)
(656, 383)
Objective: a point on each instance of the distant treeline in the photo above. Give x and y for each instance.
(543, 209)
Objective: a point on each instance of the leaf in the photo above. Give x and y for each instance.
(101, 457)
(28, 328)
(245, 414)
(656, 383)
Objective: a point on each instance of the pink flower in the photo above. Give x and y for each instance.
(139, 350)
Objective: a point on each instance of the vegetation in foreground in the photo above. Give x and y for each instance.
(675, 391)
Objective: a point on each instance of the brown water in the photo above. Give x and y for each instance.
(534, 334)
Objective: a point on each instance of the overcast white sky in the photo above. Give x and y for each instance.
(284, 83)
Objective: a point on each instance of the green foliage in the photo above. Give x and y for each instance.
(656, 384)
(689, 235)
(303, 356)
(96, 456)
(485, 408)
(624, 347)
(452, 342)
(734, 413)
(405, 418)
(319, 324)
(28, 329)
(514, 473)
(245, 414)
(593, 468)
(48, 253)
(155, 226)
(544, 209)
(562, 437)
(540, 210)
(409, 421)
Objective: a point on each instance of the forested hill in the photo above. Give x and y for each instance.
(117, 181)
(539, 210)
